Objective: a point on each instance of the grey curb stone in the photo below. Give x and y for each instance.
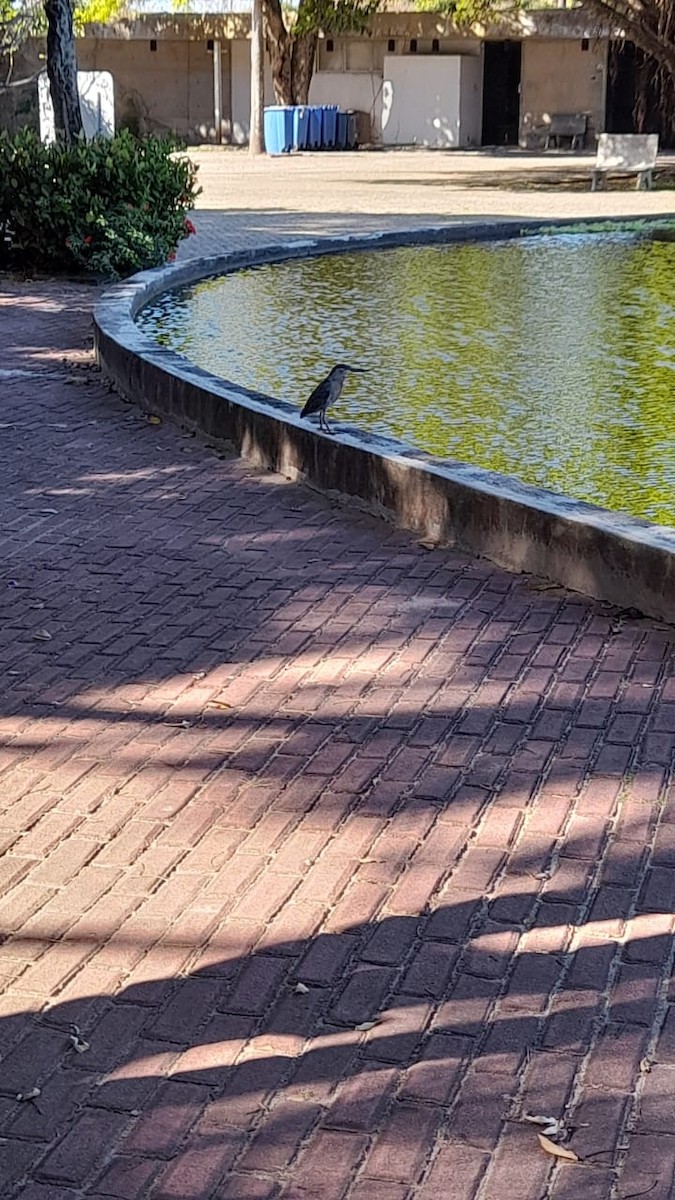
(616, 558)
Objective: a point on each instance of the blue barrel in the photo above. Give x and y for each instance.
(315, 127)
(342, 131)
(301, 118)
(329, 115)
(278, 129)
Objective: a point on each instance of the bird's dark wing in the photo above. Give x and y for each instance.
(318, 399)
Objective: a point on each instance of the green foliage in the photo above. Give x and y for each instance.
(110, 206)
(473, 12)
(21, 19)
(334, 16)
(99, 12)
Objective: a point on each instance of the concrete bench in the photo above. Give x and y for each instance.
(567, 125)
(626, 154)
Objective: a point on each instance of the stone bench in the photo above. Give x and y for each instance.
(626, 154)
(566, 125)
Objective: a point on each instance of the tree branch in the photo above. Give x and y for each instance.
(15, 83)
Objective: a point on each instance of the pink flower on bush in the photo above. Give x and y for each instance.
(189, 227)
(88, 240)
(172, 256)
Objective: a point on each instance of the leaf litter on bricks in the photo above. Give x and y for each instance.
(77, 1041)
(557, 1151)
(32, 1098)
(552, 1126)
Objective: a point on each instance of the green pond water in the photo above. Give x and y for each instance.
(549, 358)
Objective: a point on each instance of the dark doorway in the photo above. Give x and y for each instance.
(638, 100)
(501, 93)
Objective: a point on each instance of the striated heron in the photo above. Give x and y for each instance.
(327, 392)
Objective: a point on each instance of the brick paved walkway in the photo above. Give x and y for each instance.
(268, 742)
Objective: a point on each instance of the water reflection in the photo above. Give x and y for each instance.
(549, 358)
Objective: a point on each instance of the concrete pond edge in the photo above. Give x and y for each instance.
(610, 556)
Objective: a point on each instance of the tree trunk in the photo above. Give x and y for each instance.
(303, 54)
(650, 25)
(291, 58)
(62, 70)
(279, 50)
(255, 143)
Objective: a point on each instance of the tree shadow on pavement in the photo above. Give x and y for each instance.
(230, 1068)
(268, 741)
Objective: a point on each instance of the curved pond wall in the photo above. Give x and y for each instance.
(612, 557)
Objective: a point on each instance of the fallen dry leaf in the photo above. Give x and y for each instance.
(154, 420)
(42, 635)
(556, 1151)
(365, 1026)
(427, 544)
(218, 704)
(32, 1095)
(49, 512)
(78, 1043)
(301, 989)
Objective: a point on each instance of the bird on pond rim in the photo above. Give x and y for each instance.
(327, 392)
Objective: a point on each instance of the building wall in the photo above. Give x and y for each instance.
(560, 76)
(171, 87)
(471, 100)
(368, 53)
(166, 89)
(358, 90)
(241, 89)
(19, 105)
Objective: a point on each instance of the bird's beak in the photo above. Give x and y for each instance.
(358, 370)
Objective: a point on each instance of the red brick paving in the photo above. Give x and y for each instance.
(271, 741)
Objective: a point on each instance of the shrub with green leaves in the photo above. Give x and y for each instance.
(111, 206)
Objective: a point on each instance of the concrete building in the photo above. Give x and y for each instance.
(417, 79)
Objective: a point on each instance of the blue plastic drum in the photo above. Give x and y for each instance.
(315, 127)
(329, 126)
(278, 129)
(301, 121)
